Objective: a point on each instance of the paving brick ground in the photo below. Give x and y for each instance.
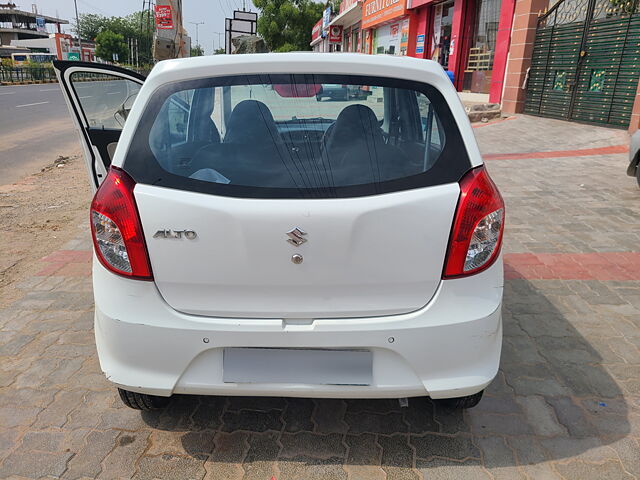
(566, 403)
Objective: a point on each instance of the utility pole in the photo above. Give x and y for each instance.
(196, 24)
(219, 41)
(169, 38)
(75, 3)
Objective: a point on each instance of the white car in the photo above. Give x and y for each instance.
(252, 240)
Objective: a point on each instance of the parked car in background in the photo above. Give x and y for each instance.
(250, 239)
(343, 92)
(633, 170)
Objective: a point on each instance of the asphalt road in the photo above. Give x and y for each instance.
(35, 127)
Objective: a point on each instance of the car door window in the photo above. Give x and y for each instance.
(178, 111)
(105, 100)
(432, 131)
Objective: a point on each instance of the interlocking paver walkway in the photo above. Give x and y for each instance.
(566, 403)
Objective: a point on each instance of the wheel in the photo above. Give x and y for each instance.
(469, 401)
(638, 174)
(142, 401)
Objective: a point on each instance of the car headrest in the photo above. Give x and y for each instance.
(355, 123)
(251, 122)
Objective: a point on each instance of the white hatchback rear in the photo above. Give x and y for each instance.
(256, 236)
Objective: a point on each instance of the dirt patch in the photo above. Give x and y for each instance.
(38, 215)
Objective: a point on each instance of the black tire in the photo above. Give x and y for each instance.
(638, 174)
(458, 403)
(142, 401)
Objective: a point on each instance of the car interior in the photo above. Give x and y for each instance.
(198, 134)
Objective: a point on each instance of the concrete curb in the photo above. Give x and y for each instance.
(483, 112)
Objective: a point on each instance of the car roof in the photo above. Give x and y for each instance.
(298, 62)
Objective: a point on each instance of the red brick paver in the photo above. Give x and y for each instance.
(564, 405)
(585, 152)
(492, 122)
(608, 266)
(67, 263)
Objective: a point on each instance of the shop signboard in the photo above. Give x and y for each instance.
(346, 5)
(420, 43)
(335, 34)
(73, 56)
(164, 17)
(404, 36)
(437, 31)
(375, 12)
(326, 18)
(316, 32)
(394, 31)
(40, 24)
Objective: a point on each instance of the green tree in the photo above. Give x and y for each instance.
(89, 25)
(218, 51)
(109, 43)
(285, 25)
(141, 27)
(334, 4)
(138, 26)
(197, 51)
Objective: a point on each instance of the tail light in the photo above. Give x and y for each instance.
(116, 229)
(477, 228)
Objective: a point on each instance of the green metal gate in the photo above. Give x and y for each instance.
(586, 62)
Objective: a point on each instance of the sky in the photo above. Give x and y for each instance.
(211, 12)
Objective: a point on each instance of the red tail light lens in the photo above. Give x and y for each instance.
(116, 229)
(477, 228)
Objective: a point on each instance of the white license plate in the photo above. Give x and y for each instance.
(310, 366)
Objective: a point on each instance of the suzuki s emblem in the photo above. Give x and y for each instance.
(296, 237)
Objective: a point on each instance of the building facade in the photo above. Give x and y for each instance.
(17, 24)
(346, 26)
(576, 60)
(465, 36)
(386, 27)
(61, 44)
(319, 42)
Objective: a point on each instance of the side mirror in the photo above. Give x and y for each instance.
(123, 112)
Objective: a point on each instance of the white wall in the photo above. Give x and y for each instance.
(48, 43)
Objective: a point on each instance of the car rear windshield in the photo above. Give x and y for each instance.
(297, 136)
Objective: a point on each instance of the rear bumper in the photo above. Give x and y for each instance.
(449, 348)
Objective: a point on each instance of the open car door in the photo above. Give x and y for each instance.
(99, 99)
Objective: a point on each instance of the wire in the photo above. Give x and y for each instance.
(94, 7)
(224, 8)
(231, 8)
